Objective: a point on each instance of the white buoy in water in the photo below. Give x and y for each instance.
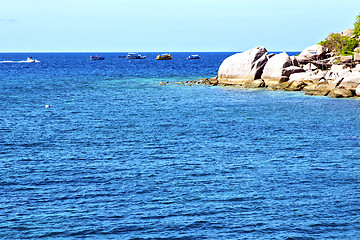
(47, 106)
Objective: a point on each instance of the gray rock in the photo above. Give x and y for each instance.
(340, 93)
(346, 59)
(274, 69)
(308, 77)
(243, 67)
(292, 70)
(337, 71)
(351, 81)
(313, 52)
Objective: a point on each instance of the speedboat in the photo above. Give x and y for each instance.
(30, 60)
(193, 57)
(135, 56)
(96, 58)
(165, 56)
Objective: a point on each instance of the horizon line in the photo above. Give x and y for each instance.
(140, 51)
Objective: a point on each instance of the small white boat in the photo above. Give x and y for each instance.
(135, 56)
(30, 60)
(193, 57)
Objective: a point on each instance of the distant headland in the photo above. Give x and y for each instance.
(329, 68)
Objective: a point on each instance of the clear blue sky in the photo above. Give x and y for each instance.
(166, 25)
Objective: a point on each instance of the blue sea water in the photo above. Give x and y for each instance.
(118, 156)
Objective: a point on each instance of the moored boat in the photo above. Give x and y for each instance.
(195, 56)
(135, 56)
(165, 56)
(96, 58)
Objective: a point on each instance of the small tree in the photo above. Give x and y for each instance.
(341, 45)
(357, 25)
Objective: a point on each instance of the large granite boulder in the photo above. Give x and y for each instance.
(311, 53)
(242, 68)
(337, 71)
(278, 69)
(351, 81)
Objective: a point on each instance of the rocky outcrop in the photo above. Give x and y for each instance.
(351, 81)
(337, 71)
(243, 68)
(256, 68)
(278, 69)
(311, 53)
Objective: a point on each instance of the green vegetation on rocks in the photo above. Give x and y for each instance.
(342, 45)
(357, 26)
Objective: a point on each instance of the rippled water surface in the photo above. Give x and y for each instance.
(118, 156)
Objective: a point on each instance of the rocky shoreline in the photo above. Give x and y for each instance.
(336, 77)
(312, 71)
(316, 71)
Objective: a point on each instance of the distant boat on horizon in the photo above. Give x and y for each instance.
(195, 56)
(135, 56)
(28, 60)
(96, 58)
(164, 56)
